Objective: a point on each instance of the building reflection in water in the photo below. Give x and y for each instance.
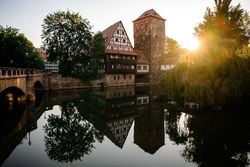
(118, 113)
(122, 107)
(149, 125)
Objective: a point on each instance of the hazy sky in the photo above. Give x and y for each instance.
(181, 15)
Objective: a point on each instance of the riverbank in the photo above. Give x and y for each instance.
(58, 82)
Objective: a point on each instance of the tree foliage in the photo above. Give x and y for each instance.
(69, 136)
(230, 23)
(217, 73)
(67, 38)
(172, 48)
(97, 54)
(16, 50)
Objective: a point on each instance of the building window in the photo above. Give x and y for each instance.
(112, 66)
(118, 77)
(129, 76)
(114, 77)
(145, 67)
(123, 33)
(124, 76)
(116, 39)
(132, 67)
(139, 67)
(124, 40)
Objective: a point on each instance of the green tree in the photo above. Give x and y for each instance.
(97, 54)
(226, 25)
(218, 73)
(67, 38)
(172, 48)
(17, 51)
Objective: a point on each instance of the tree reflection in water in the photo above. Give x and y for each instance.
(69, 137)
(211, 139)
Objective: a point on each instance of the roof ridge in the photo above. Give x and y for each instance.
(148, 13)
(112, 25)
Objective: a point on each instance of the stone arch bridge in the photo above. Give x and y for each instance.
(21, 84)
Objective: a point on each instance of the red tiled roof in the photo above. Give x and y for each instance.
(150, 13)
(140, 54)
(108, 32)
(42, 53)
(122, 52)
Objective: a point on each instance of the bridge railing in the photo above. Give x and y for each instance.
(18, 72)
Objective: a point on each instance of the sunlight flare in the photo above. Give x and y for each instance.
(192, 44)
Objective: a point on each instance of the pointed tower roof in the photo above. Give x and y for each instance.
(150, 13)
(108, 32)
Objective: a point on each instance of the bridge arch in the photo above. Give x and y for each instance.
(27, 80)
(12, 93)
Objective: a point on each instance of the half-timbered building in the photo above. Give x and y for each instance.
(120, 59)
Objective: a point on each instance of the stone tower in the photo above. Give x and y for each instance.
(149, 36)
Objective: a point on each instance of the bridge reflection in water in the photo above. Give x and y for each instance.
(86, 118)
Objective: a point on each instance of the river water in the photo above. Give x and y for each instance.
(120, 127)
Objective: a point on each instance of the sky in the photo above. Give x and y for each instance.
(181, 15)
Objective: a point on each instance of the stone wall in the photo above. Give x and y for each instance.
(119, 79)
(149, 36)
(57, 82)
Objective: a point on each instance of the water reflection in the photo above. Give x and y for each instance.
(211, 139)
(68, 137)
(86, 118)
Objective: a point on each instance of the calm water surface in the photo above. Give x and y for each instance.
(119, 127)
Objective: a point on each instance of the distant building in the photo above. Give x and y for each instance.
(51, 67)
(169, 63)
(42, 54)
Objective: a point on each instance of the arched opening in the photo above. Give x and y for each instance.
(12, 94)
(38, 87)
(102, 86)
